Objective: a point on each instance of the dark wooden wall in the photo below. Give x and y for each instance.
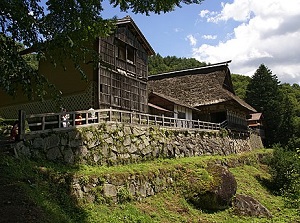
(123, 72)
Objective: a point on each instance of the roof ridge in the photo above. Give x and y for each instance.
(205, 69)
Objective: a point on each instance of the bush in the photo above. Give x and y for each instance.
(124, 195)
(5, 122)
(286, 175)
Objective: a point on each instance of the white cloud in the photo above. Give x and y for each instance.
(203, 13)
(177, 30)
(192, 40)
(239, 10)
(209, 36)
(267, 32)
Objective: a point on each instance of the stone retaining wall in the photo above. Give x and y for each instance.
(122, 188)
(111, 144)
(127, 186)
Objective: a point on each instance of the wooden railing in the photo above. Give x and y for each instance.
(51, 121)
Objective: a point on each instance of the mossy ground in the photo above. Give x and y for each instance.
(54, 204)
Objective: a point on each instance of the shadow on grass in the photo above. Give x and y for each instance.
(29, 194)
(268, 184)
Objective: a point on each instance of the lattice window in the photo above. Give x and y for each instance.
(107, 52)
(75, 102)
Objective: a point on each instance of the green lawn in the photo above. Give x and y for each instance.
(168, 206)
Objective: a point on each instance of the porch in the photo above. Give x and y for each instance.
(38, 123)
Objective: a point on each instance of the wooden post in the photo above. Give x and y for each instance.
(110, 114)
(21, 132)
(43, 123)
(73, 117)
(99, 116)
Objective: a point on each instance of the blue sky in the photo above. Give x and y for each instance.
(248, 32)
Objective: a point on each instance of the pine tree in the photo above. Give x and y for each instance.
(264, 95)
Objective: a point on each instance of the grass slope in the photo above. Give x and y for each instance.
(49, 202)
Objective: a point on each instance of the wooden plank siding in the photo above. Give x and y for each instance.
(124, 72)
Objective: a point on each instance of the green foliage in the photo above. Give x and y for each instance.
(156, 6)
(280, 104)
(169, 206)
(223, 133)
(159, 64)
(124, 195)
(5, 122)
(240, 84)
(32, 179)
(286, 175)
(83, 180)
(264, 95)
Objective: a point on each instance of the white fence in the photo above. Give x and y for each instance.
(52, 121)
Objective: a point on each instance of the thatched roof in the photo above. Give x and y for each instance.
(171, 99)
(197, 87)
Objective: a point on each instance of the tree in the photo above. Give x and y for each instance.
(159, 64)
(264, 95)
(62, 29)
(240, 83)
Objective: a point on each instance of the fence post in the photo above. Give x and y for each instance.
(22, 117)
(43, 122)
(99, 117)
(73, 121)
(110, 114)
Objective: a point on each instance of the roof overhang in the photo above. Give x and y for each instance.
(135, 29)
(159, 108)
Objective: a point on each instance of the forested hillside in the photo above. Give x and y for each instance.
(159, 64)
(240, 83)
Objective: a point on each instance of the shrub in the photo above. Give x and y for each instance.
(124, 195)
(286, 175)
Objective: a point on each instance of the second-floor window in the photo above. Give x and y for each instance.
(125, 52)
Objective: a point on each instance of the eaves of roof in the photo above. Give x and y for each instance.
(135, 29)
(173, 100)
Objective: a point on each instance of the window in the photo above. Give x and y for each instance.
(121, 54)
(130, 54)
(125, 52)
(181, 115)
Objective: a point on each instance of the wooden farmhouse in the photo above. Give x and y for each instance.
(204, 93)
(119, 81)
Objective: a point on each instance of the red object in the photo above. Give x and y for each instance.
(14, 132)
(79, 122)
